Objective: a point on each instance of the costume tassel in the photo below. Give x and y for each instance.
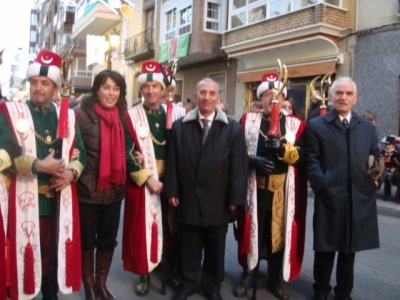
(275, 128)
(62, 130)
(154, 243)
(29, 272)
(8, 263)
(70, 272)
(245, 246)
(168, 118)
(322, 111)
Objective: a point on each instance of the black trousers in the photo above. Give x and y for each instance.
(323, 266)
(195, 239)
(99, 225)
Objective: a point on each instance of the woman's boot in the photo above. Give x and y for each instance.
(88, 278)
(103, 264)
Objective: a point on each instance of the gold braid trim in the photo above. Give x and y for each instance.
(155, 141)
(45, 190)
(276, 184)
(140, 177)
(23, 164)
(291, 154)
(5, 160)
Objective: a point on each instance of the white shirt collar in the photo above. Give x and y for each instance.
(210, 118)
(348, 117)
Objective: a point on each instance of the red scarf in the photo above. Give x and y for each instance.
(112, 167)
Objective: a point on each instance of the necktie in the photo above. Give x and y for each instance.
(345, 123)
(205, 128)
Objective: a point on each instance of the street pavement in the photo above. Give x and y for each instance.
(377, 272)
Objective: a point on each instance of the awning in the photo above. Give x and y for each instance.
(294, 71)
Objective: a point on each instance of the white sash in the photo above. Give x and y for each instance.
(292, 125)
(252, 127)
(152, 201)
(4, 202)
(27, 203)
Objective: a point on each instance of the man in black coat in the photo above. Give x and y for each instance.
(343, 169)
(206, 178)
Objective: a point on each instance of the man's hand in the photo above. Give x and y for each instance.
(60, 181)
(173, 201)
(51, 165)
(274, 142)
(154, 186)
(75, 153)
(262, 165)
(139, 157)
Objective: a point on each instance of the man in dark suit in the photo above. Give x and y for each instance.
(206, 178)
(344, 166)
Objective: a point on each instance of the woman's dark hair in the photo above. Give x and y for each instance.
(100, 79)
(293, 106)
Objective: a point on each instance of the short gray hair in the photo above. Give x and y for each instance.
(343, 79)
(206, 80)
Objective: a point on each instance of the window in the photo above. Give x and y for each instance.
(170, 31)
(245, 12)
(185, 20)
(177, 18)
(33, 36)
(34, 19)
(81, 70)
(220, 79)
(213, 16)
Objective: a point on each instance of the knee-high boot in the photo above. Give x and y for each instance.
(88, 278)
(103, 264)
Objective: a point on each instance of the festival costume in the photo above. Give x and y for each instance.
(30, 199)
(143, 209)
(275, 196)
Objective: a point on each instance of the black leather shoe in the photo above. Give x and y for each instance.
(182, 294)
(276, 288)
(320, 296)
(142, 288)
(173, 282)
(245, 283)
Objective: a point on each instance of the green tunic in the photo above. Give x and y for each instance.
(156, 120)
(45, 121)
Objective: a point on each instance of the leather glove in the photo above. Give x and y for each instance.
(274, 142)
(376, 167)
(262, 165)
(13, 149)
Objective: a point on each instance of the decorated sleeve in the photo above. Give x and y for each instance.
(136, 171)
(79, 163)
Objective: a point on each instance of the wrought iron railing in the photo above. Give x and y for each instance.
(141, 43)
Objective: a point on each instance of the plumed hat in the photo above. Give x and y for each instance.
(270, 81)
(46, 64)
(151, 71)
(170, 82)
(391, 139)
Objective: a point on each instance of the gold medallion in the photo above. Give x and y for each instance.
(157, 125)
(142, 132)
(253, 130)
(48, 139)
(22, 126)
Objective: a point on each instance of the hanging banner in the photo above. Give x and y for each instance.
(174, 48)
(95, 45)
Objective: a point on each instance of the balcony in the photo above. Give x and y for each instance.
(140, 47)
(94, 19)
(306, 34)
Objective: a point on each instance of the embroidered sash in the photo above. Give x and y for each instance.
(27, 207)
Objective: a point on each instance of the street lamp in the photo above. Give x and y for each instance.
(113, 41)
